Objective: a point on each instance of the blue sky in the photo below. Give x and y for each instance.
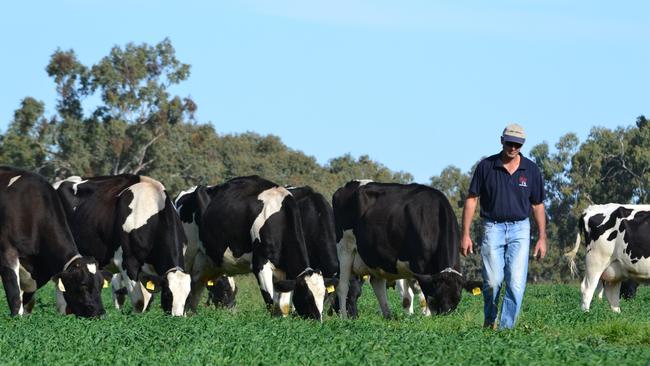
(417, 85)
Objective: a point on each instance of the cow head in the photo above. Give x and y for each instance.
(174, 287)
(222, 292)
(444, 289)
(81, 284)
(308, 293)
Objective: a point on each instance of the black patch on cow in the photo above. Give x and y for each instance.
(612, 236)
(637, 236)
(596, 226)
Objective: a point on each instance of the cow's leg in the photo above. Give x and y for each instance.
(29, 300)
(285, 302)
(595, 265)
(201, 271)
(346, 255)
(265, 280)
(599, 291)
(117, 291)
(379, 286)
(423, 299)
(9, 270)
(588, 287)
(612, 291)
(406, 293)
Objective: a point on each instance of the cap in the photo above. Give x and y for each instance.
(514, 133)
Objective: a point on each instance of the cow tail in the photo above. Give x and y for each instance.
(571, 256)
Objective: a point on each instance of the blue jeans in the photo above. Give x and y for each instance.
(504, 251)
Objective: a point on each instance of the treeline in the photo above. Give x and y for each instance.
(139, 127)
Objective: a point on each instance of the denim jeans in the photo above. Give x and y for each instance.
(504, 251)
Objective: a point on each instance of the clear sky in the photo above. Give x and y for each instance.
(417, 85)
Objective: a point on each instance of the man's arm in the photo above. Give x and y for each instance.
(468, 215)
(540, 219)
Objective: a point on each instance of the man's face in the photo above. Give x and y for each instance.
(510, 149)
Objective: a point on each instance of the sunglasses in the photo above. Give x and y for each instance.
(513, 144)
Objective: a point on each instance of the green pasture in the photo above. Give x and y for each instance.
(551, 330)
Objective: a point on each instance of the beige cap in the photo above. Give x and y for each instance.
(514, 133)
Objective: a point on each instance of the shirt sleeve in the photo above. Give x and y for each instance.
(537, 195)
(477, 180)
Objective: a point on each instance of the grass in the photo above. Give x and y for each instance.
(551, 330)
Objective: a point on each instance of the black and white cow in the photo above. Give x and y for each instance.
(222, 292)
(36, 245)
(318, 225)
(128, 223)
(618, 247)
(250, 224)
(394, 231)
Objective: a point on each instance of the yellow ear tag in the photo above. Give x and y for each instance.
(365, 278)
(330, 289)
(105, 284)
(150, 286)
(476, 291)
(210, 283)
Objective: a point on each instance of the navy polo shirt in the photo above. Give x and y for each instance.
(506, 197)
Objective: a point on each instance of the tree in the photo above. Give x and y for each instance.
(25, 144)
(137, 111)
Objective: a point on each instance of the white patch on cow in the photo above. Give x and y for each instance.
(16, 268)
(363, 182)
(272, 200)
(147, 201)
(231, 282)
(179, 285)
(183, 193)
(159, 186)
(265, 277)
(12, 180)
(92, 268)
(27, 283)
(285, 302)
(77, 180)
(236, 265)
(316, 286)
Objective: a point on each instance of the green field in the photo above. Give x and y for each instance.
(551, 330)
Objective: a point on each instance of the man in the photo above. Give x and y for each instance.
(509, 186)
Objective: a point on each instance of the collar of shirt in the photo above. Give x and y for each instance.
(523, 163)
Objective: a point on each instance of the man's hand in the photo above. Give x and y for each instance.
(540, 249)
(466, 246)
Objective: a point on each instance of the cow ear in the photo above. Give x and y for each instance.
(106, 275)
(151, 283)
(473, 287)
(284, 285)
(58, 281)
(331, 282)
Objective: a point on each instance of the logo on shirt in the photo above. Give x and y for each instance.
(523, 181)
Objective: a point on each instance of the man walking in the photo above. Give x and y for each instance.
(509, 186)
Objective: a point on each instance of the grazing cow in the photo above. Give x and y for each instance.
(394, 231)
(222, 292)
(318, 225)
(250, 224)
(36, 245)
(618, 247)
(128, 223)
